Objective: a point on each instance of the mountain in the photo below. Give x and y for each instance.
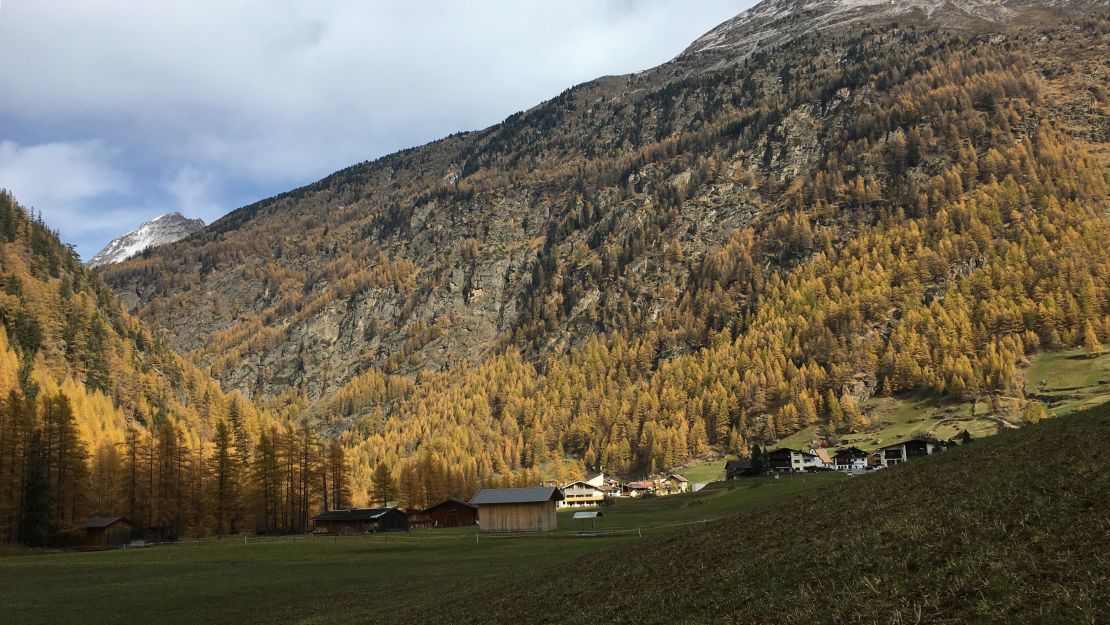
(702, 256)
(776, 22)
(158, 231)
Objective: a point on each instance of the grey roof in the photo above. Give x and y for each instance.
(535, 494)
(588, 514)
(355, 514)
(98, 522)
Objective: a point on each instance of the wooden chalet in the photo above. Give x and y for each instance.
(908, 450)
(517, 509)
(582, 493)
(106, 532)
(360, 521)
(736, 469)
(786, 460)
(850, 459)
(674, 484)
(639, 489)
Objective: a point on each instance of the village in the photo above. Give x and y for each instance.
(534, 509)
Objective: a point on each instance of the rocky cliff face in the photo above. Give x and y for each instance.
(596, 212)
(158, 231)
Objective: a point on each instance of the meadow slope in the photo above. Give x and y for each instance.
(1014, 529)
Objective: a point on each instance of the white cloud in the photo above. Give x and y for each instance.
(76, 186)
(60, 173)
(258, 96)
(192, 190)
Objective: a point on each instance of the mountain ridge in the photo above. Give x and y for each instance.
(774, 23)
(161, 230)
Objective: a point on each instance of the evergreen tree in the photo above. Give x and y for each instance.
(1091, 344)
(223, 479)
(385, 489)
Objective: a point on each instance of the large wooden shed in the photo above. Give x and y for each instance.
(517, 509)
(106, 532)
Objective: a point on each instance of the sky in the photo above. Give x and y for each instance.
(116, 111)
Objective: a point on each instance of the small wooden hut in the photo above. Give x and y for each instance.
(106, 532)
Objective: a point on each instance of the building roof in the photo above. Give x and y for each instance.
(588, 514)
(535, 494)
(742, 463)
(99, 522)
(581, 483)
(676, 477)
(450, 500)
(789, 450)
(823, 454)
(850, 452)
(916, 439)
(354, 514)
(639, 485)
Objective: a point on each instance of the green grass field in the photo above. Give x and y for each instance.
(704, 472)
(1010, 529)
(332, 580)
(1069, 381)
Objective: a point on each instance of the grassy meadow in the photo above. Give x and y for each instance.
(1069, 381)
(330, 580)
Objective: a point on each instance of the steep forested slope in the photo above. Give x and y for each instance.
(99, 416)
(714, 252)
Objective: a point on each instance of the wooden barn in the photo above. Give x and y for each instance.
(517, 509)
(360, 521)
(450, 513)
(106, 532)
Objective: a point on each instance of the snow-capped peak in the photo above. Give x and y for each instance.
(774, 22)
(158, 231)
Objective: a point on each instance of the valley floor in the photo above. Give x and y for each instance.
(1014, 528)
(326, 580)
